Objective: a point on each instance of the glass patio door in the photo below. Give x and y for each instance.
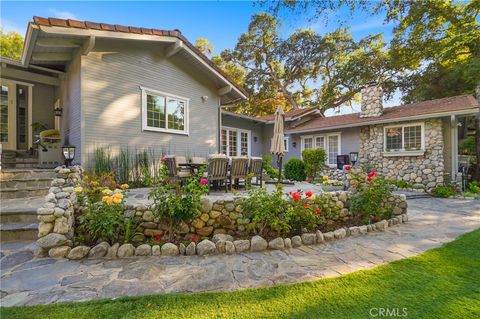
(8, 115)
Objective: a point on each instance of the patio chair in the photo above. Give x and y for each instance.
(217, 170)
(175, 172)
(256, 164)
(238, 170)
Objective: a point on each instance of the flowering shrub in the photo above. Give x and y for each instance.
(267, 211)
(102, 217)
(174, 201)
(370, 196)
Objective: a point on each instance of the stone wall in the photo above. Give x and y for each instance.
(333, 173)
(56, 217)
(427, 169)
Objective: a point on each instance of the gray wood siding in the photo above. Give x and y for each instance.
(111, 78)
(71, 102)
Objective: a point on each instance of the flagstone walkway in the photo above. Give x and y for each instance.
(27, 281)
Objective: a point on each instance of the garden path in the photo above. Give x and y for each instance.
(432, 222)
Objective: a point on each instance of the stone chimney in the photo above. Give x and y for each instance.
(372, 100)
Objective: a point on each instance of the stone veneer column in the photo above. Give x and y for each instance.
(57, 215)
(372, 101)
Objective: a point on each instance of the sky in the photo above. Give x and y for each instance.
(221, 22)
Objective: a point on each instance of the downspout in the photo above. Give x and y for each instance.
(219, 130)
(454, 150)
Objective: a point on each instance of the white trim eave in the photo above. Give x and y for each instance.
(130, 36)
(403, 153)
(471, 111)
(246, 117)
(31, 36)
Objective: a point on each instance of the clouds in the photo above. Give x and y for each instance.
(8, 25)
(62, 14)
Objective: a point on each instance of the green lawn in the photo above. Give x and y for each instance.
(441, 283)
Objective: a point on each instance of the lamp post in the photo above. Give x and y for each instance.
(69, 154)
(353, 157)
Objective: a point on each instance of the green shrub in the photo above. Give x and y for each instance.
(267, 211)
(370, 197)
(473, 187)
(174, 202)
(443, 191)
(314, 160)
(295, 169)
(271, 171)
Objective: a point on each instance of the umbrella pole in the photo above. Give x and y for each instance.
(279, 163)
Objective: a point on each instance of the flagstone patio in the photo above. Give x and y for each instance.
(27, 281)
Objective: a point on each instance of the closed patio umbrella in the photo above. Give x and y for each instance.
(278, 147)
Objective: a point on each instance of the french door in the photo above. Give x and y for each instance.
(235, 142)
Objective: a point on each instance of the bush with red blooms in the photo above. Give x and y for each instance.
(370, 196)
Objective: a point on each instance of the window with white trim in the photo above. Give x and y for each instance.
(331, 143)
(285, 143)
(404, 138)
(235, 142)
(164, 112)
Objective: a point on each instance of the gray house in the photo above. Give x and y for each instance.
(115, 86)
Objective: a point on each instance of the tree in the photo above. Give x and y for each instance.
(306, 69)
(204, 46)
(11, 44)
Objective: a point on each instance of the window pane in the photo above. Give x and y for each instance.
(285, 144)
(307, 143)
(176, 114)
(243, 143)
(155, 111)
(320, 142)
(413, 137)
(332, 149)
(232, 143)
(224, 141)
(4, 114)
(394, 138)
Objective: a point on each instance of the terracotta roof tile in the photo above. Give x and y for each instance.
(121, 28)
(76, 23)
(433, 107)
(118, 28)
(93, 25)
(58, 22)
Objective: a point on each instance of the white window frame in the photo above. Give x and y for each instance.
(145, 126)
(404, 152)
(286, 142)
(239, 140)
(325, 144)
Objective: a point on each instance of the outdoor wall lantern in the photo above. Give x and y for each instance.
(58, 111)
(69, 154)
(353, 157)
(255, 139)
(294, 144)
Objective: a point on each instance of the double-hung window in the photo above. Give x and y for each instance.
(164, 112)
(404, 138)
(329, 142)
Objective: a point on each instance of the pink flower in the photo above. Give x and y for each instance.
(308, 194)
(164, 159)
(347, 167)
(203, 181)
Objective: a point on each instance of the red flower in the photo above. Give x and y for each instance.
(296, 196)
(369, 179)
(308, 194)
(305, 204)
(372, 174)
(347, 167)
(203, 181)
(318, 211)
(157, 236)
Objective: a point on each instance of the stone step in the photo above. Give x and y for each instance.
(25, 183)
(9, 193)
(18, 232)
(18, 215)
(26, 174)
